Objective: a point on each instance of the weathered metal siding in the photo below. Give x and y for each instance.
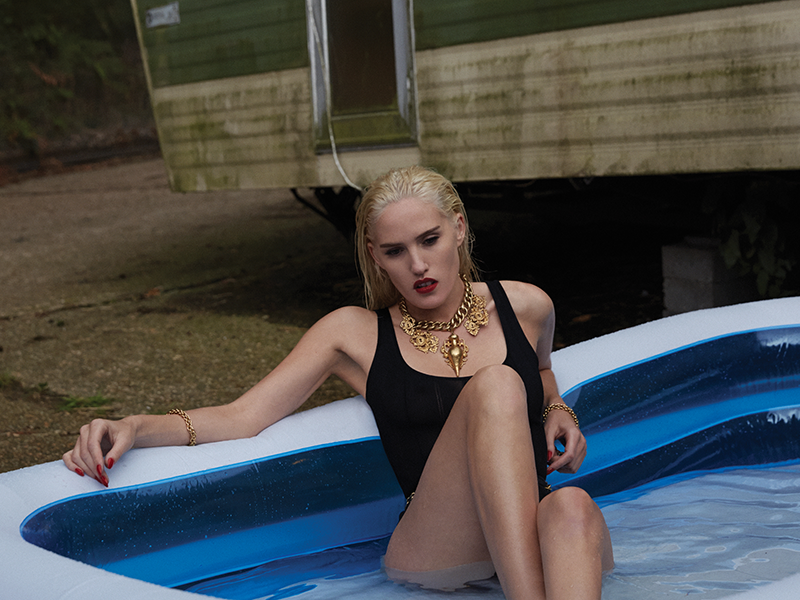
(711, 91)
(230, 89)
(231, 93)
(708, 91)
(254, 132)
(242, 132)
(221, 38)
(442, 23)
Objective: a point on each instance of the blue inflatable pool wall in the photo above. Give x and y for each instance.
(190, 528)
(730, 401)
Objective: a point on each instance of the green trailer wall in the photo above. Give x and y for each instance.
(504, 90)
(218, 39)
(222, 38)
(709, 91)
(443, 23)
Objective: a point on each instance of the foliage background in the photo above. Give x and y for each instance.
(68, 69)
(756, 217)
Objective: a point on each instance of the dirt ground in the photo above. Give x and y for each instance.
(120, 297)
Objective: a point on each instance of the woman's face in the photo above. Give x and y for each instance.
(417, 245)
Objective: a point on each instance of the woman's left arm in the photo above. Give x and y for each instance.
(537, 317)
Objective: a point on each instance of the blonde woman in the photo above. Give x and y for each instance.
(457, 373)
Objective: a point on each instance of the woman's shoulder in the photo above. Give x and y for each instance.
(526, 294)
(536, 316)
(349, 329)
(349, 316)
(529, 301)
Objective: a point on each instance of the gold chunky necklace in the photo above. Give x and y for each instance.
(473, 309)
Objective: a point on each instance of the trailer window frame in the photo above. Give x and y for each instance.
(391, 125)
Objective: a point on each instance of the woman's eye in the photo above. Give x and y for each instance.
(393, 252)
(430, 241)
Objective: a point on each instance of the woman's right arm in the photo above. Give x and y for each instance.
(342, 343)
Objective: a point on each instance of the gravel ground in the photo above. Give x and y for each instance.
(119, 293)
(121, 297)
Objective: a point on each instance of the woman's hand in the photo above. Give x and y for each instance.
(560, 426)
(100, 444)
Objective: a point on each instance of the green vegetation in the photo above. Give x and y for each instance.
(66, 67)
(73, 402)
(756, 221)
(7, 380)
(41, 390)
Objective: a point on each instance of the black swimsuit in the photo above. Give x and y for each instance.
(410, 407)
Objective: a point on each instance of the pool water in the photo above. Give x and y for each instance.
(707, 536)
(704, 534)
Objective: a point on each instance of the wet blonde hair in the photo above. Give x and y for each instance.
(398, 184)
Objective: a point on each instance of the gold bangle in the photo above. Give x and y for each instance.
(560, 406)
(186, 419)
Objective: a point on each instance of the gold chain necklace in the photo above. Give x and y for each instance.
(473, 309)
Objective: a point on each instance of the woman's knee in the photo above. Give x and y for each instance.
(569, 519)
(570, 511)
(496, 390)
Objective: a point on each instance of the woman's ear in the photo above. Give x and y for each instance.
(461, 228)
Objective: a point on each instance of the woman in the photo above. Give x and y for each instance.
(458, 377)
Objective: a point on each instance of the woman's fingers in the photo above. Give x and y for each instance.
(574, 451)
(560, 426)
(99, 445)
(75, 461)
(91, 451)
(71, 464)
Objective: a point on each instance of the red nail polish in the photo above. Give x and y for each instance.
(549, 455)
(550, 470)
(110, 462)
(79, 471)
(100, 470)
(105, 481)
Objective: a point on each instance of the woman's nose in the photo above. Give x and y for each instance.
(418, 265)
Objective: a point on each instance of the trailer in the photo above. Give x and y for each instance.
(317, 94)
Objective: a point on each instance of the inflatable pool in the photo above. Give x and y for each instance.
(693, 426)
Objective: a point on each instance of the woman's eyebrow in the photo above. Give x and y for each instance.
(420, 236)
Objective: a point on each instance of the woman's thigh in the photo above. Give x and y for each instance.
(441, 528)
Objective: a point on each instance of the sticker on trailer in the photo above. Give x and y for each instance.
(163, 15)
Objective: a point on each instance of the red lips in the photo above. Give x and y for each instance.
(425, 286)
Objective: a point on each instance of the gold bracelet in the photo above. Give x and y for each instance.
(186, 419)
(560, 406)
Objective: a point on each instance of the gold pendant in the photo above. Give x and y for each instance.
(424, 341)
(407, 324)
(455, 352)
(478, 316)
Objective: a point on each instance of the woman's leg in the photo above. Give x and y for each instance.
(575, 544)
(477, 499)
(478, 495)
